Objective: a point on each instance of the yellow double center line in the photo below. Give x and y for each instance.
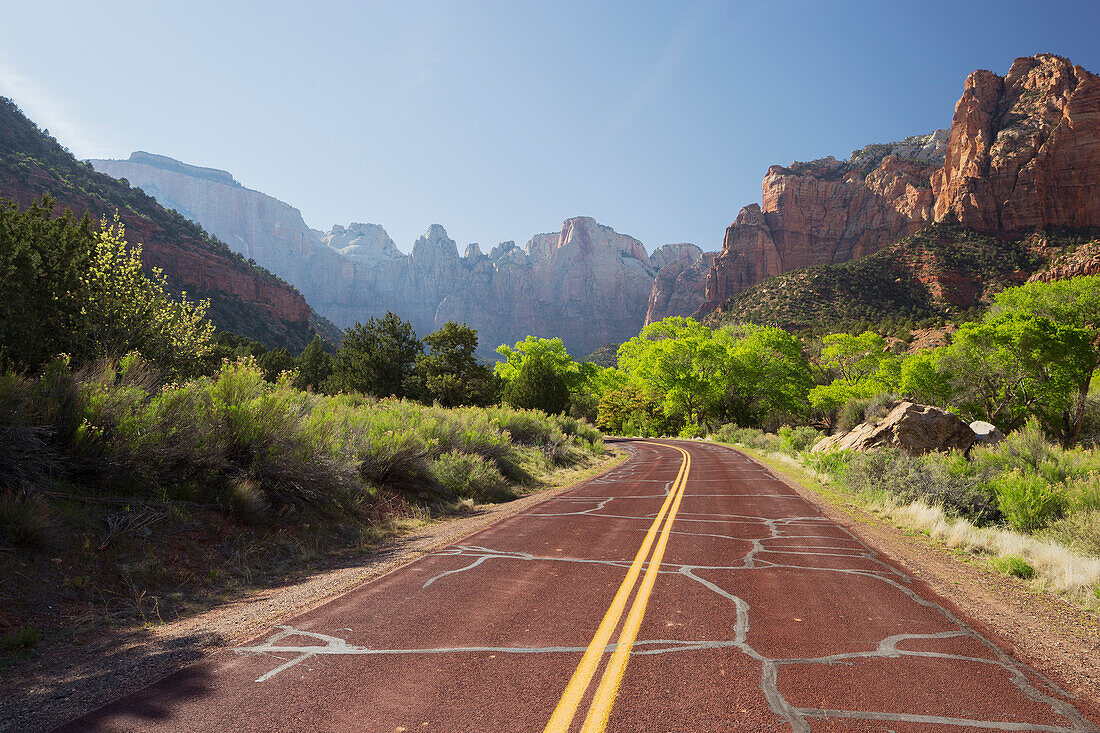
(600, 707)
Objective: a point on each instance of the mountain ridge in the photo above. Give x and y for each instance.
(248, 300)
(585, 283)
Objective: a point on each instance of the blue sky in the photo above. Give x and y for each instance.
(500, 119)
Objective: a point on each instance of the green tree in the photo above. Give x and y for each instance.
(313, 366)
(766, 374)
(1012, 365)
(274, 362)
(537, 386)
(551, 352)
(123, 310)
(42, 259)
(449, 373)
(855, 366)
(680, 360)
(924, 379)
(1073, 302)
(378, 357)
(631, 410)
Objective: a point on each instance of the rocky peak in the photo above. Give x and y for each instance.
(434, 245)
(683, 253)
(1023, 149)
(585, 236)
(473, 252)
(539, 246)
(366, 243)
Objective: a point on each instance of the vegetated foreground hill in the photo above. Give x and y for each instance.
(943, 272)
(586, 284)
(243, 298)
(1021, 156)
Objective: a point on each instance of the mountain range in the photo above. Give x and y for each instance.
(929, 225)
(586, 283)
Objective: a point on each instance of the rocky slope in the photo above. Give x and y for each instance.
(244, 299)
(1022, 154)
(587, 283)
(942, 272)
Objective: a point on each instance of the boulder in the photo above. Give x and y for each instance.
(910, 428)
(986, 433)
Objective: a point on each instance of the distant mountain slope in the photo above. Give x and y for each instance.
(243, 299)
(942, 271)
(586, 284)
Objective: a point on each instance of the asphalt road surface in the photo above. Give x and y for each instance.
(686, 590)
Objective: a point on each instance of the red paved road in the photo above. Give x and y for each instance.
(763, 615)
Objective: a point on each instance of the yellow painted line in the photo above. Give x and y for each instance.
(566, 709)
(600, 710)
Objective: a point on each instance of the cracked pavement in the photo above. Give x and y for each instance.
(764, 615)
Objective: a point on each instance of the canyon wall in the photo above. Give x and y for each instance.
(827, 211)
(1023, 153)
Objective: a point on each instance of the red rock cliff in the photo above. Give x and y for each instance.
(827, 211)
(1023, 153)
(1024, 150)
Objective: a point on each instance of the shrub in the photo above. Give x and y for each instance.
(1014, 565)
(397, 461)
(1027, 501)
(470, 477)
(1079, 530)
(831, 463)
(27, 461)
(864, 409)
(938, 479)
(25, 637)
(799, 439)
(24, 521)
(691, 430)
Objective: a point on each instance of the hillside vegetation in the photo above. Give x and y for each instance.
(33, 164)
(151, 465)
(941, 273)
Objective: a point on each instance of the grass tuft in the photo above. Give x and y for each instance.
(1015, 566)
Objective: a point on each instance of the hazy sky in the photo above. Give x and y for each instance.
(500, 119)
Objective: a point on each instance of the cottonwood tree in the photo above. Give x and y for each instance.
(1073, 302)
(680, 360)
(1012, 365)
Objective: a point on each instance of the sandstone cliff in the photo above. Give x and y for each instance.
(1024, 150)
(586, 283)
(1022, 154)
(679, 288)
(827, 211)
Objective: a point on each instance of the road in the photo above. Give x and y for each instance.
(688, 589)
